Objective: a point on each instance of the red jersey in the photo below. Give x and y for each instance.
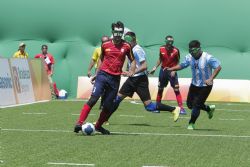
(48, 61)
(113, 56)
(169, 58)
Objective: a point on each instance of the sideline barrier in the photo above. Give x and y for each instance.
(23, 81)
(224, 90)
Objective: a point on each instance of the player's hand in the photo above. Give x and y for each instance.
(172, 73)
(209, 81)
(153, 70)
(92, 79)
(130, 74)
(125, 73)
(89, 74)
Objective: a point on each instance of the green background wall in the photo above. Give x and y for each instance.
(73, 28)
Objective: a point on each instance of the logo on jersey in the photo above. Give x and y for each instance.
(122, 50)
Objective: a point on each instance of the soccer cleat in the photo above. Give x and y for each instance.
(190, 126)
(102, 130)
(77, 128)
(183, 112)
(176, 113)
(211, 112)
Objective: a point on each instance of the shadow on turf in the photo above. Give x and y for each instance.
(142, 124)
(148, 125)
(212, 130)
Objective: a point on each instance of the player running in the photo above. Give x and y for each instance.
(108, 76)
(205, 68)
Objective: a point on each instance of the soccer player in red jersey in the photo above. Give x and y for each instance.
(169, 56)
(108, 76)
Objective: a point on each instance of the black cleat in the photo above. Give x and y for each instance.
(77, 128)
(102, 130)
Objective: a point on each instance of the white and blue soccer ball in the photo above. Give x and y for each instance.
(88, 129)
(63, 94)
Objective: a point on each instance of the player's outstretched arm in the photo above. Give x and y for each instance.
(175, 68)
(155, 67)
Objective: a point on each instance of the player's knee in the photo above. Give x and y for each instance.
(92, 101)
(176, 88)
(150, 107)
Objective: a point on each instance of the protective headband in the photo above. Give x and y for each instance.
(169, 41)
(194, 50)
(117, 32)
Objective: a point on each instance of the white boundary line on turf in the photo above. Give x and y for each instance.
(155, 166)
(134, 116)
(73, 100)
(17, 105)
(69, 164)
(79, 114)
(226, 109)
(223, 119)
(132, 133)
(27, 113)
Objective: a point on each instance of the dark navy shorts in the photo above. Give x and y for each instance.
(165, 77)
(107, 85)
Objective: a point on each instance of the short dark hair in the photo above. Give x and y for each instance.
(132, 34)
(118, 24)
(44, 46)
(194, 44)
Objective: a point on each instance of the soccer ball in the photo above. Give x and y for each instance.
(62, 94)
(88, 129)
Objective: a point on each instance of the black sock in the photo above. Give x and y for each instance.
(164, 107)
(205, 108)
(194, 115)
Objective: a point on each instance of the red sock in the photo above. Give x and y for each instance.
(56, 91)
(159, 95)
(84, 114)
(178, 98)
(102, 118)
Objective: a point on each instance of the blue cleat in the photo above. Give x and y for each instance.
(183, 112)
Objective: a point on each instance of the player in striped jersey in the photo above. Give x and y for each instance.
(205, 68)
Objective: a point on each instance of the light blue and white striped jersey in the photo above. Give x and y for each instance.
(140, 56)
(201, 68)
